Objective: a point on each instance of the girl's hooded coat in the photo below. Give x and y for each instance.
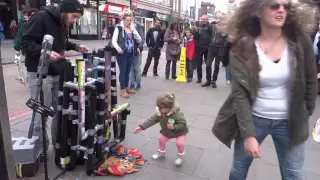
(180, 123)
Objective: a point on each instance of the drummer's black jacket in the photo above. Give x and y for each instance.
(46, 21)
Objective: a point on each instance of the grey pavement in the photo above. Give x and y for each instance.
(205, 159)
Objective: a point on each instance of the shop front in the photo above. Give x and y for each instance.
(8, 12)
(164, 18)
(109, 16)
(145, 18)
(86, 28)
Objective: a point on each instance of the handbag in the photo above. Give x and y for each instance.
(174, 52)
(114, 51)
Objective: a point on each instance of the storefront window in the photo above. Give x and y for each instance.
(87, 24)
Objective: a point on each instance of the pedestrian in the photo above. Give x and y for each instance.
(274, 85)
(14, 28)
(215, 52)
(155, 41)
(27, 13)
(123, 41)
(172, 36)
(225, 62)
(203, 36)
(190, 53)
(135, 73)
(173, 125)
(316, 47)
(53, 21)
(1, 38)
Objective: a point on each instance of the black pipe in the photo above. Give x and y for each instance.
(113, 95)
(65, 117)
(59, 117)
(92, 103)
(123, 120)
(101, 113)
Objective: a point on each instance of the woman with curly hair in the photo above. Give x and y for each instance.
(274, 85)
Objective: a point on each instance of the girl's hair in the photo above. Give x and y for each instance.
(245, 20)
(166, 100)
(188, 29)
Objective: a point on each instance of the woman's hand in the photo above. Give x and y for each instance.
(119, 50)
(252, 147)
(138, 130)
(138, 50)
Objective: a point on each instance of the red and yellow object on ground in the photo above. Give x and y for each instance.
(123, 161)
(316, 131)
(182, 77)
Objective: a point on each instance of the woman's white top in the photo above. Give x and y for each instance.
(272, 98)
(116, 32)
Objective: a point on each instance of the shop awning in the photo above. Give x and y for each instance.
(111, 8)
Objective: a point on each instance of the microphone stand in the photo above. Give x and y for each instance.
(38, 107)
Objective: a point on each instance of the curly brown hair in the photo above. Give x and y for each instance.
(166, 100)
(245, 21)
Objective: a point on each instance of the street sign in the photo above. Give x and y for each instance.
(182, 66)
(134, 4)
(192, 13)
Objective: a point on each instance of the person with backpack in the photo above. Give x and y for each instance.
(203, 35)
(123, 40)
(215, 53)
(53, 21)
(1, 37)
(27, 13)
(135, 73)
(155, 41)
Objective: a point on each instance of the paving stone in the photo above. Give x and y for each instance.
(269, 154)
(191, 156)
(203, 122)
(213, 164)
(133, 122)
(312, 159)
(203, 139)
(23, 126)
(268, 171)
(143, 111)
(135, 141)
(153, 131)
(190, 117)
(18, 133)
(17, 121)
(159, 173)
(310, 176)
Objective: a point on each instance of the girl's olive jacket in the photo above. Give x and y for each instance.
(235, 116)
(177, 118)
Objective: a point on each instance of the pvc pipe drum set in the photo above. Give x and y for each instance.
(87, 108)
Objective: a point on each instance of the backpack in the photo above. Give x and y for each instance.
(114, 52)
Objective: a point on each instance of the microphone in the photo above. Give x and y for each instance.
(42, 72)
(43, 66)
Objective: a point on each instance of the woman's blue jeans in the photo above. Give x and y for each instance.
(291, 160)
(135, 73)
(228, 74)
(124, 62)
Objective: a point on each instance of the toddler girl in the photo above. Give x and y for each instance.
(173, 125)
